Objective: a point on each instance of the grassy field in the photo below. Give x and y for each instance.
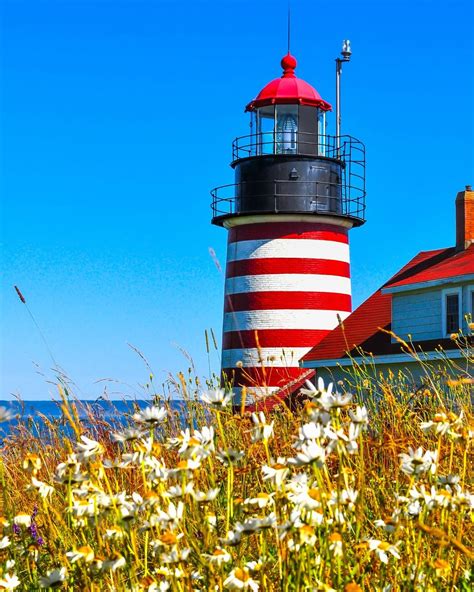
(369, 490)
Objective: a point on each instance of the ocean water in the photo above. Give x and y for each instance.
(35, 414)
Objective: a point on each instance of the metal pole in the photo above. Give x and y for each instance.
(346, 56)
(338, 104)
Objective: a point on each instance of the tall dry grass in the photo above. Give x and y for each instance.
(369, 490)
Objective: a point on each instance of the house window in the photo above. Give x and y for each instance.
(452, 313)
(452, 304)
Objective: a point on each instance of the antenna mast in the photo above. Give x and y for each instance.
(289, 26)
(346, 56)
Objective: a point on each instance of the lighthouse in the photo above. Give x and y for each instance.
(297, 193)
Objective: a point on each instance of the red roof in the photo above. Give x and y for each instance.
(448, 264)
(288, 90)
(361, 329)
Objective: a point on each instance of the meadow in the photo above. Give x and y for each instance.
(364, 490)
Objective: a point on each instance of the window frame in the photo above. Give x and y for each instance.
(444, 294)
(470, 302)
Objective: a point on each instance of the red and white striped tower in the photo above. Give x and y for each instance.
(297, 193)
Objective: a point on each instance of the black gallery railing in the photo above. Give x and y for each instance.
(345, 198)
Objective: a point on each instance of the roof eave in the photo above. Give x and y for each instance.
(383, 359)
(319, 103)
(428, 284)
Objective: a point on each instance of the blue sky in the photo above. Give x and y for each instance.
(117, 119)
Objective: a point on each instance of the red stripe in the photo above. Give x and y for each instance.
(287, 300)
(256, 376)
(271, 266)
(303, 230)
(284, 338)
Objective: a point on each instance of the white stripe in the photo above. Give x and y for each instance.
(265, 356)
(288, 282)
(282, 319)
(288, 248)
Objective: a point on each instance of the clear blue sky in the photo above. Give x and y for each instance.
(117, 120)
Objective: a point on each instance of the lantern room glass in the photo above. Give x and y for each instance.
(265, 126)
(286, 137)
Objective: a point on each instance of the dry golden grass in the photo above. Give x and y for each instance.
(364, 493)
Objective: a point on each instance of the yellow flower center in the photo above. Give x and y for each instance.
(241, 575)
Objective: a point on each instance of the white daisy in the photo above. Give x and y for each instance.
(217, 397)
(150, 415)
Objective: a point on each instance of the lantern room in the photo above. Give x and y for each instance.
(288, 116)
(289, 164)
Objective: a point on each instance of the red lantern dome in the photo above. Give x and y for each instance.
(288, 89)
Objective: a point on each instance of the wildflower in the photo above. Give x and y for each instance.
(335, 544)
(310, 452)
(307, 498)
(347, 497)
(276, 472)
(4, 542)
(9, 582)
(169, 538)
(325, 397)
(239, 579)
(85, 553)
(208, 496)
(262, 430)
(417, 461)
(359, 416)
(22, 519)
(211, 521)
(127, 435)
(233, 538)
(88, 449)
(114, 563)
(332, 401)
(173, 514)
(389, 524)
(255, 524)
(313, 392)
(175, 556)
(5, 414)
(381, 549)
(54, 578)
(254, 566)
(217, 397)
(32, 463)
(444, 423)
(310, 431)
(185, 465)
(150, 416)
(115, 532)
(218, 557)
(449, 480)
(307, 535)
(44, 489)
(175, 491)
(199, 445)
(261, 500)
(230, 456)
